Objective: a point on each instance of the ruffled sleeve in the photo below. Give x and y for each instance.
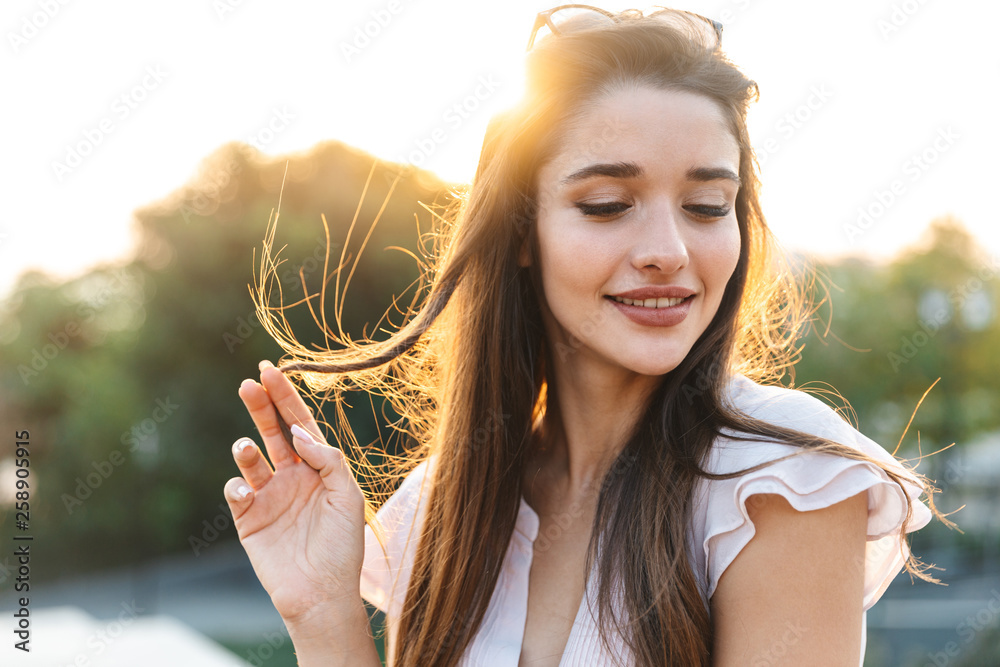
(721, 523)
(385, 575)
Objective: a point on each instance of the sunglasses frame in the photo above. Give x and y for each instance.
(544, 19)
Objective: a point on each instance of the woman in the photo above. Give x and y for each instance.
(598, 477)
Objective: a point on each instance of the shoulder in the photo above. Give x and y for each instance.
(725, 512)
(390, 545)
(409, 490)
(801, 572)
(790, 408)
(399, 511)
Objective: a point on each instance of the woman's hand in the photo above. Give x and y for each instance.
(302, 522)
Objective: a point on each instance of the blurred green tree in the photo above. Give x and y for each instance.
(127, 376)
(889, 331)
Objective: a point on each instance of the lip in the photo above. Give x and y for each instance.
(656, 292)
(655, 317)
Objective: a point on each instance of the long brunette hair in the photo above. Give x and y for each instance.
(470, 370)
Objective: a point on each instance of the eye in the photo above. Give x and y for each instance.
(607, 210)
(708, 212)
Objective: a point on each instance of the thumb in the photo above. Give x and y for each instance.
(238, 495)
(327, 460)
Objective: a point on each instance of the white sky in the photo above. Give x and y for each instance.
(229, 68)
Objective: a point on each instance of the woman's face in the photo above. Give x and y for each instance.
(637, 232)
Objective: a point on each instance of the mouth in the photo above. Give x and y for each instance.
(652, 303)
(656, 310)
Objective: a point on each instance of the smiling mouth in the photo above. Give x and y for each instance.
(662, 302)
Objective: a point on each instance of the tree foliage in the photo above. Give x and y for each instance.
(126, 377)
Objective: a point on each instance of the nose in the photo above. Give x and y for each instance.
(660, 243)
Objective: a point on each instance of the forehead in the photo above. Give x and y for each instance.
(660, 129)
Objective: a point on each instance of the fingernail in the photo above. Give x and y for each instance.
(243, 491)
(303, 434)
(264, 364)
(243, 444)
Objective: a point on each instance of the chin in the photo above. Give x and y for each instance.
(654, 364)
(663, 354)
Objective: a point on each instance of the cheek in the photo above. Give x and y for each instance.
(572, 259)
(733, 251)
(721, 254)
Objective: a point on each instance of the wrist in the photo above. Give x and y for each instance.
(334, 634)
(317, 605)
(321, 611)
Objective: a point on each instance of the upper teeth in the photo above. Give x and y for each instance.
(662, 302)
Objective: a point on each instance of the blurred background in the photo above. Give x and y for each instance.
(146, 150)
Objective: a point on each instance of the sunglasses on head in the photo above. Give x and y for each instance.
(570, 18)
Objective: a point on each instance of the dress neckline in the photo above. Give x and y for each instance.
(527, 525)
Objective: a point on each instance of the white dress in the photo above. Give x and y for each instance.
(720, 527)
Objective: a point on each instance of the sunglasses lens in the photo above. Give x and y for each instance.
(700, 28)
(571, 19)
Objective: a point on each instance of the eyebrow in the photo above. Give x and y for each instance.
(632, 170)
(705, 174)
(613, 169)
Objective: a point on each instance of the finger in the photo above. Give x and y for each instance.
(265, 418)
(239, 495)
(252, 464)
(287, 399)
(328, 461)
